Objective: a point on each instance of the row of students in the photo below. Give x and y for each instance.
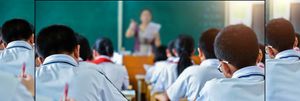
(231, 62)
(17, 61)
(97, 80)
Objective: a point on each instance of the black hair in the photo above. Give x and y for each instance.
(104, 46)
(262, 48)
(206, 42)
(160, 53)
(56, 39)
(171, 47)
(16, 29)
(238, 45)
(280, 34)
(184, 45)
(146, 9)
(85, 49)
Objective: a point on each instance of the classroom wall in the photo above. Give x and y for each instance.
(91, 19)
(188, 17)
(10, 9)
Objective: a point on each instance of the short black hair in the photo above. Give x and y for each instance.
(238, 45)
(171, 47)
(206, 42)
(104, 46)
(56, 39)
(85, 49)
(16, 29)
(160, 53)
(280, 34)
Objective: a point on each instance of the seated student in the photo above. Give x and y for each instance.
(170, 57)
(17, 36)
(86, 53)
(11, 89)
(184, 47)
(282, 73)
(192, 79)
(103, 51)
(236, 47)
(160, 57)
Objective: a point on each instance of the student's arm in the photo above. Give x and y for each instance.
(131, 29)
(159, 86)
(179, 88)
(28, 82)
(126, 79)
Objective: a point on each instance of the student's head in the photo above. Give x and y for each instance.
(57, 39)
(169, 51)
(103, 46)
(236, 47)
(85, 49)
(146, 15)
(17, 29)
(184, 46)
(160, 53)
(280, 36)
(206, 44)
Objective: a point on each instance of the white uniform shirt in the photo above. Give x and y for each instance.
(282, 77)
(14, 55)
(158, 68)
(11, 89)
(90, 84)
(54, 73)
(166, 78)
(115, 72)
(246, 84)
(192, 79)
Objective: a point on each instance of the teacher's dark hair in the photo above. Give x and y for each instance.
(56, 39)
(146, 9)
(104, 46)
(85, 49)
(184, 45)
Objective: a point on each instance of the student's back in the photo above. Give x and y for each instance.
(18, 37)
(11, 89)
(103, 51)
(282, 72)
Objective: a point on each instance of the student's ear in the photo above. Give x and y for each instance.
(31, 39)
(260, 56)
(201, 55)
(95, 53)
(226, 70)
(296, 42)
(168, 53)
(271, 52)
(175, 52)
(77, 52)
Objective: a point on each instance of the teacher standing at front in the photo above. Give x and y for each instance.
(146, 34)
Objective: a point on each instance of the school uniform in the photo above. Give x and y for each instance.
(91, 84)
(11, 89)
(54, 73)
(167, 77)
(115, 72)
(15, 55)
(157, 70)
(246, 84)
(282, 76)
(192, 79)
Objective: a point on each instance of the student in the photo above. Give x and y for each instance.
(297, 42)
(18, 38)
(1, 42)
(191, 80)
(103, 51)
(282, 72)
(11, 89)
(160, 57)
(184, 47)
(261, 56)
(86, 53)
(160, 65)
(236, 47)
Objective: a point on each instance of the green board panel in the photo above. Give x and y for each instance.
(91, 19)
(10, 9)
(188, 17)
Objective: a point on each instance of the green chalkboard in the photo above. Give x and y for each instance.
(91, 19)
(176, 17)
(10, 9)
